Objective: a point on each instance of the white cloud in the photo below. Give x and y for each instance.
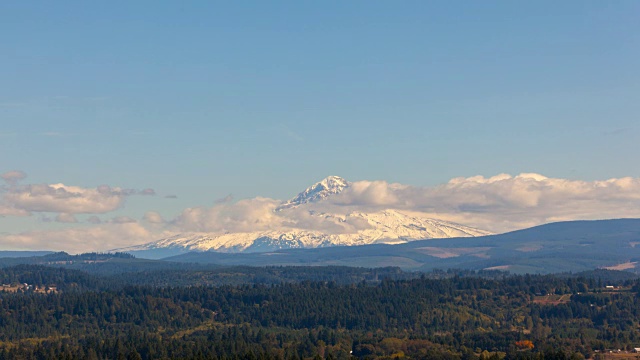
(256, 214)
(62, 198)
(245, 215)
(302, 218)
(22, 200)
(503, 202)
(499, 203)
(374, 193)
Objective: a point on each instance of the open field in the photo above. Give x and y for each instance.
(552, 299)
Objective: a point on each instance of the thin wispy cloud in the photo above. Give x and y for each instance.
(224, 200)
(98, 98)
(13, 104)
(147, 192)
(57, 134)
(290, 133)
(618, 131)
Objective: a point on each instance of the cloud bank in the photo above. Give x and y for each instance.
(499, 203)
(502, 202)
(245, 215)
(82, 239)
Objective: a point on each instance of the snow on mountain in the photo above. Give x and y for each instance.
(317, 192)
(387, 226)
(238, 242)
(392, 224)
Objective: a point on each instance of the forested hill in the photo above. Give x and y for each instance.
(451, 317)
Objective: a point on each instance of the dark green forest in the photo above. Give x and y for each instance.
(321, 312)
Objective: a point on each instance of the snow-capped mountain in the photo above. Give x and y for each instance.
(317, 192)
(386, 226)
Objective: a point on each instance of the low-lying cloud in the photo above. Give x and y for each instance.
(502, 202)
(80, 239)
(245, 215)
(499, 203)
(258, 214)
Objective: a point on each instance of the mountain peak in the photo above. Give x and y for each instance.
(321, 190)
(332, 181)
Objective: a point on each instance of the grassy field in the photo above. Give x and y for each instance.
(552, 299)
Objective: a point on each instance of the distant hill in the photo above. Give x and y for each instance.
(97, 263)
(16, 254)
(570, 246)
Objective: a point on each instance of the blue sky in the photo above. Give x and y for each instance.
(205, 99)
